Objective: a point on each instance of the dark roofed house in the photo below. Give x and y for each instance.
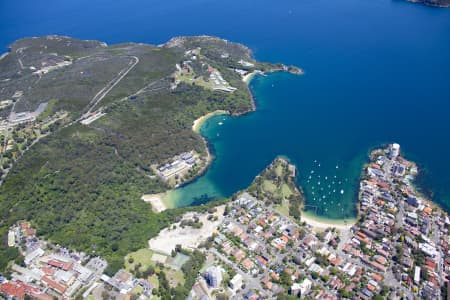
(412, 201)
(411, 221)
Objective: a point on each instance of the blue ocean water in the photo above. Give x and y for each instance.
(377, 71)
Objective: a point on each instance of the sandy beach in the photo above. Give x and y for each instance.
(247, 78)
(319, 224)
(198, 123)
(156, 201)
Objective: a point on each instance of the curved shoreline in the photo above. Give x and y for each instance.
(199, 122)
(3, 55)
(322, 223)
(248, 77)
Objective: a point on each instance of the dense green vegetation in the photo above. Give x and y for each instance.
(151, 128)
(6, 254)
(92, 207)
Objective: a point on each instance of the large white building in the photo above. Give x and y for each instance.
(214, 276)
(11, 238)
(394, 152)
(305, 286)
(236, 282)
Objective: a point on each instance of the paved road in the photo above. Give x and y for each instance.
(104, 91)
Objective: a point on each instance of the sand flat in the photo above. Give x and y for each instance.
(156, 201)
(187, 237)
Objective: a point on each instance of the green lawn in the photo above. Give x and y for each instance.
(142, 256)
(174, 277)
(154, 281)
(285, 191)
(137, 290)
(279, 170)
(268, 186)
(283, 208)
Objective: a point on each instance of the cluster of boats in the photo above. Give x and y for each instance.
(325, 191)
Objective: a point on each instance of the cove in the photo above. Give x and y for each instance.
(328, 140)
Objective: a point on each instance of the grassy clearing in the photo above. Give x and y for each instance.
(142, 256)
(154, 281)
(283, 208)
(174, 277)
(268, 186)
(49, 110)
(137, 290)
(279, 170)
(286, 191)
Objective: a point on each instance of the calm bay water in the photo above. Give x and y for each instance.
(377, 71)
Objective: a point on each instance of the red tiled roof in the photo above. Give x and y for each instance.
(54, 285)
(13, 290)
(336, 261)
(261, 260)
(40, 296)
(55, 263)
(377, 277)
(382, 252)
(67, 266)
(48, 271)
(378, 266)
(30, 231)
(275, 276)
(382, 184)
(431, 264)
(380, 259)
(248, 264)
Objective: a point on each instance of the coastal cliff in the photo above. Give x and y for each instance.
(434, 3)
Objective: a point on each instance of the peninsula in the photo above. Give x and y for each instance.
(87, 128)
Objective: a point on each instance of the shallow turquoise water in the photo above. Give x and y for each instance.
(377, 71)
